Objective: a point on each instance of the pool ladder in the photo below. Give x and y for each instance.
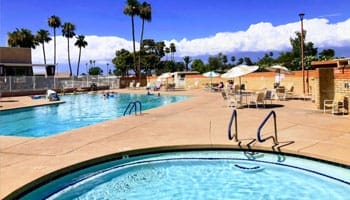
(259, 138)
(229, 132)
(274, 138)
(133, 106)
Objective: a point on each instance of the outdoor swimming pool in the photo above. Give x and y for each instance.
(78, 111)
(220, 174)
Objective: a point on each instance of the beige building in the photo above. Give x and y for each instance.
(18, 62)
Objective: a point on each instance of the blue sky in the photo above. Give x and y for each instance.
(197, 27)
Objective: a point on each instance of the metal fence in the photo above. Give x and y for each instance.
(26, 83)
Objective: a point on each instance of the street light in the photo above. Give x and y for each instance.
(301, 15)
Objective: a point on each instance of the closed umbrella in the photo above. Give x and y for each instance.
(211, 74)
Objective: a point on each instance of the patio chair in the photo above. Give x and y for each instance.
(258, 98)
(268, 96)
(336, 105)
(230, 100)
(288, 92)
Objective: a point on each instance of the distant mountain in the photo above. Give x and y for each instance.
(255, 56)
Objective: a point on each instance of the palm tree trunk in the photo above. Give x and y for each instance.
(133, 42)
(70, 67)
(141, 45)
(78, 61)
(44, 53)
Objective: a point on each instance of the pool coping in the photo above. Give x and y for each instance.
(139, 152)
(159, 130)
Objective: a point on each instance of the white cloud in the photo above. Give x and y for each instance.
(262, 36)
(100, 48)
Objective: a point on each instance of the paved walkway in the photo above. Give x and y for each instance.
(201, 121)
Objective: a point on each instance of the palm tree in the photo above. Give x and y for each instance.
(132, 9)
(54, 22)
(21, 38)
(167, 51)
(187, 61)
(80, 43)
(68, 32)
(172, 50)
(145, 14)
(43, 36)
(13, 38)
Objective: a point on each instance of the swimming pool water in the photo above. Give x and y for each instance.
(202, 175)
(77, 111)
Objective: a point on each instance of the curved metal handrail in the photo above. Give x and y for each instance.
(140, 106)
(233, 117)
(133, 105)
(275, 139)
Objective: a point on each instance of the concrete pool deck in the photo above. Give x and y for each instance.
(199, 122)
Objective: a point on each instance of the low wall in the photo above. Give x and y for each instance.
(255, 81)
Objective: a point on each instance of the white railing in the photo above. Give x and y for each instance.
(25, 83)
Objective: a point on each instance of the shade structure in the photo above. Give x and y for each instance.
(280, 70)
(211, 74)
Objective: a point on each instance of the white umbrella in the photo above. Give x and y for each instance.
(238, 71)
(280, 70)
(211, 74)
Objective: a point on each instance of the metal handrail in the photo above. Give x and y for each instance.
(140, 106)
(133, 105)
(235, 136)
(130, 103)
(275, 139)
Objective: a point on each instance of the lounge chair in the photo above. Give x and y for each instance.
(137, 86)
(131, 85)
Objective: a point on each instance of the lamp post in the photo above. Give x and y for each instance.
(301, 15)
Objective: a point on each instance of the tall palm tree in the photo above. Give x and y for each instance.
(167, 51)
(187, 61)
(68, 32)
(172, 50)
(132, 9)
(54, 22)
(80, 43)
(43, 36)
(145, 14)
